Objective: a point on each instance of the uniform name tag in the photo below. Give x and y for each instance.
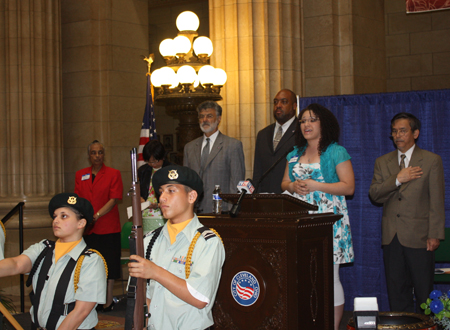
(293, 160)
(85, 177)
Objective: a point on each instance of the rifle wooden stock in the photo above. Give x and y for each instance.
(137, 234)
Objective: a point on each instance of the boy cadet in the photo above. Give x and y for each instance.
(185, 258)
(68, 280)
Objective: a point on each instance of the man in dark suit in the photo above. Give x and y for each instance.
(274, 141)
(218, 159)
(409, 182)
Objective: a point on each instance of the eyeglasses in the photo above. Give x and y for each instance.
(153, 163)
(310, 120)
(400, 132)
(208, 116)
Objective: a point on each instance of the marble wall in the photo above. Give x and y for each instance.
(417, 48)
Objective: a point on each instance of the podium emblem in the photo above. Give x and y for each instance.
(245, 288)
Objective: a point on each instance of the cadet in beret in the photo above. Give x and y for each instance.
(184, 258)
(63, 300)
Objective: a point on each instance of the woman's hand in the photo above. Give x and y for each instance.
(301, 187)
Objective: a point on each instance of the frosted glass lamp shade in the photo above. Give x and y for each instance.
(196, 81)
(175, 82)
(167, 47)
(220, 77)
(203, 45)
(187, 21)
(155, 78)
(182, 45)
(186, 74)
(167, 76)
(206, 74)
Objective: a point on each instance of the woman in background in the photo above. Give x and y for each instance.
(102, 186)
(319, 171)
(154, 155)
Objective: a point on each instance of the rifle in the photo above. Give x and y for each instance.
(136, 302)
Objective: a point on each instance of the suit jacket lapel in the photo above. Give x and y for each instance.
(198, 151)
(217, 146)
(286, 136)
(270, 136)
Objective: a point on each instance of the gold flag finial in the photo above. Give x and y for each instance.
(149, 61)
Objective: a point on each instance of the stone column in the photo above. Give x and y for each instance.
(31, 165)
(258, 44)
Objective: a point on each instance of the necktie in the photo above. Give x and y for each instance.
(402, 161)
(277, 137)
(205, 154)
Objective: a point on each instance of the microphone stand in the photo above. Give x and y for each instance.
(271, 168)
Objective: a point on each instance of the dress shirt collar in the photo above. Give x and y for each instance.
(212, 139)
(284, 127)
(408, 155)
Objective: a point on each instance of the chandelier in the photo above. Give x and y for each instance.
(187, 58)
(187, 79)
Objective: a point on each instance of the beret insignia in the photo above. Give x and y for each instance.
(173, 175)
(72, 200)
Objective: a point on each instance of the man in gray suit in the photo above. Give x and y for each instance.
(409, 182)
(274, 141)
(217, 158)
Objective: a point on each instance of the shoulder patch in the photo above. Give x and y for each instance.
(206, 233)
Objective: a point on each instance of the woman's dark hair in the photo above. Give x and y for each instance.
(153, 148)
(329, 127)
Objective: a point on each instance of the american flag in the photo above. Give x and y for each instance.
(148, 129)
(244, 292)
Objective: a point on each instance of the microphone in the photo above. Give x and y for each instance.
(271, 168)
(245, 187)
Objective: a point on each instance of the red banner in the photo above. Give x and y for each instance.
(415, 6)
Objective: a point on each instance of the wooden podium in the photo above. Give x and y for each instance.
(278, 271)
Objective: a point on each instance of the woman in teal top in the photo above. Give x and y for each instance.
(319, 171)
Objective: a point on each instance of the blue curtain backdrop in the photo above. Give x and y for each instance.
(365, 133)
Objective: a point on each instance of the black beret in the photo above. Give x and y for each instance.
(179, 175)
(74, 201)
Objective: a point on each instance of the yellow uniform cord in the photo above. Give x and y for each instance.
(3, 227)
(76, 276)
(187, 267)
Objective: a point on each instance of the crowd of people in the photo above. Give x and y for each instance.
(409, 182)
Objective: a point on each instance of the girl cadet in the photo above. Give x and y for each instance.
(68, 279)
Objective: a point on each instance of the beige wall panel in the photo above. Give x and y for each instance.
(313, 8)
(344, 26)
(430, 42)
(398, 85)
(75, 11)
(430, 82)
(128, 35)
(372, 10)
(347, 85)
(318, 31)
(368, 33)
(80, 109)
(320, 61)
(403, 23)
(411, 66)
(320, 86)
(394, 6)
(81, 33)
(126, 109)
(124, 133)
(81, 134)
(440, 20)
(130, 11)
(397, 45)
(127, 84)
(365, 85)
(441, 63)
(369, 63)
